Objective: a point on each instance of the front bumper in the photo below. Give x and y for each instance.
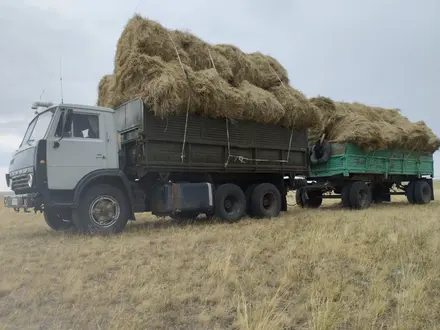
(19, 201)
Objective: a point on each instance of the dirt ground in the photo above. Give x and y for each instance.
(309, 269)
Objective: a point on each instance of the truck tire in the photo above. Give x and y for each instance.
(56, 221)
(422, 192)
(104, 201)
(266, 201)
(360, 195)
(230, 202)
(409, 191)
(248, 194)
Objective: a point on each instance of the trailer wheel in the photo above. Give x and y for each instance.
(57, 220)
(102, 210)
(360, 195)
(345, 196)
(230, 202)
(299, 197)
(266, 201)
(314, 199)
(422, 192)
(410, 192)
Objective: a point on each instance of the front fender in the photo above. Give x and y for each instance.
(104, 176)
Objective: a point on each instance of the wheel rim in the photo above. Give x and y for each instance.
(363, 198)
(104, 211)
(426, 193)
(268, 201)
(231, 204)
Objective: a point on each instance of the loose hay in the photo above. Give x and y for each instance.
(260, 105)
(222, 80)
(174, 71)
(372, 128)
(299, 111)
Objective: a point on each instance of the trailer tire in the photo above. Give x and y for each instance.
(56, 221)
(315, 199)
(320, 153)
(230, 202)
(266, 201)
(86, 222)
(410, 192)
(422, 192)
(299, 197)
(360, 195)
(345, 196)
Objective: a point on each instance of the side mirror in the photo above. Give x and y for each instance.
(66, 122)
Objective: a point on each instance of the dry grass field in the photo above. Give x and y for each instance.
(309, 269)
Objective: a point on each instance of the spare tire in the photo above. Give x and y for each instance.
(320, 153)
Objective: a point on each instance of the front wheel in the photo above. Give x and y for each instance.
(102, 210)
(57, 220)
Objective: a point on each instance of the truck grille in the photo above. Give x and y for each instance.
(19, 183)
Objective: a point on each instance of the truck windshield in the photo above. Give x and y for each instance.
(38, 127)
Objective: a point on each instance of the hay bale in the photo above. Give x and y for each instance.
(299, 111)
(212, 96)
(241, 67)
(260, 105)
(148, 37)
(271, 72)
(201, 55)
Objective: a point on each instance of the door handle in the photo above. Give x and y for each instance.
(100, 156)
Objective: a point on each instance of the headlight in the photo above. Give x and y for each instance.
(30, 180)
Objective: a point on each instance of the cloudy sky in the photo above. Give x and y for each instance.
(383, 53)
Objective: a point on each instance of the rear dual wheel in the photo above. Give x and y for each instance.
(260, 200)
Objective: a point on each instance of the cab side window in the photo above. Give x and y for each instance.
(81, 126)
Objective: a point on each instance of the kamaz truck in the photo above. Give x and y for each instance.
(93, 168)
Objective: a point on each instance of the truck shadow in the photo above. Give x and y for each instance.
(165, 223)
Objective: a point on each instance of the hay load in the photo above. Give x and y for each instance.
(371, 128)
(174, 71)
(170, 69)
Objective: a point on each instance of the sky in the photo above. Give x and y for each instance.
(382, 53)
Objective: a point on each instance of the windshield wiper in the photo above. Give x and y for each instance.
(29, 142)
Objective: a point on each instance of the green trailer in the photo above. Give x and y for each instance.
(360, 178)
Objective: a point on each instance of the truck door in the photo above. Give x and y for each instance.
(82, 149)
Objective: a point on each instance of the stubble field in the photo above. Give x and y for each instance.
(309, 269)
